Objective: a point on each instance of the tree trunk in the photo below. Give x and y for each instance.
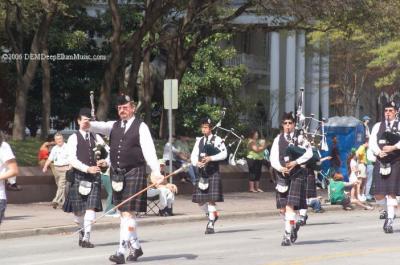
(46, 99)
(113, 64)
(147, 88)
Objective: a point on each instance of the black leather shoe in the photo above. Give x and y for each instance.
(117, 258)
(286, 240)
(388, 226)
(86, 244)
(169, 211)
(134, 255)
(209, 230)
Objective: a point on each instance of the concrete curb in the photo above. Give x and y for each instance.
(68, 229)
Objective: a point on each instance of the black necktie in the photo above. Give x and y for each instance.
(288, 137)
(87, 138)
(124, 122)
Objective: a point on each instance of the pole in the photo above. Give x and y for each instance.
(170, 129)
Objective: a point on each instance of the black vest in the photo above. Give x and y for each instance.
(283, 145)
(125, 150)
(84, 151)
(212, 166)
(392, 156)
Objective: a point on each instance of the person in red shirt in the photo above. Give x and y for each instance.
(44, 150)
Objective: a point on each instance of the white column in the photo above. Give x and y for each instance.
(290, 95)
(300, 62)
(324, 83)
(274, 81)
(314, 103)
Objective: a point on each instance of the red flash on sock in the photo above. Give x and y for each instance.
(292, 222)
(215, 214)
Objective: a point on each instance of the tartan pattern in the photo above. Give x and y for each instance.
(311, 190)
(134, 182)
(212, 194)
(296, 194)
(76, 202)
(387, 185)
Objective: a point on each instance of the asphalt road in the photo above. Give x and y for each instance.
(331, 238)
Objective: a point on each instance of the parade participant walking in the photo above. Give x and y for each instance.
(131, 147)
(387, 167)
(59, 157)
(83, 198)
(8, 169)
(206, 154)
(291, 189)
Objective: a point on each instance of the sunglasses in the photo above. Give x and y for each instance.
(389, 110)
(288, 122)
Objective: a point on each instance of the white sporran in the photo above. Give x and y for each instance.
(203, 183)
(281, 185)
(85, 187)
(117, 185)
(385, 169)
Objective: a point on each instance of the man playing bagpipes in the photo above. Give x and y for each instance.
(289, 153)
(207, 152)
(385, 144)
(83, 198)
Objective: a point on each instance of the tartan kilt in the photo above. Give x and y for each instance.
(134, 182)
(387, 185)
(75, 202)
(212, 194)
(296, 194)
(311, 190)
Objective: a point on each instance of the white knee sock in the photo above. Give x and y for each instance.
(122, 232)
(391, 204)
(289, 221)
(132, 235)
(212, 212)
(89, 217)
(303, 212)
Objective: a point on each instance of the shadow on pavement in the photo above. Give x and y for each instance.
(326, 223)
(17, 217)
(315, 242)
(166, 257)
(234, 231)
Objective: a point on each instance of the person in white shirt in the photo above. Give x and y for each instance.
(84, 195)
(131, 148)
(8, 169)
(291, 177)
(207, 152)
(59, 157)
(386, 176)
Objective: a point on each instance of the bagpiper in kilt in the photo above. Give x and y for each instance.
(386, 173)
(83, 198)
(291, 177)
(207, 152)
(131, 148)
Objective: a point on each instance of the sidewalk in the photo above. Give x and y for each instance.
(40, 218)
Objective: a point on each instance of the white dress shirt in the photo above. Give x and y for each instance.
(218, 143)
(274, 157)
(6, 154)
(72, 147)
(146, 141)
(373, 140)
(59, 155)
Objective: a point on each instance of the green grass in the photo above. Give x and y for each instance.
(26, 151)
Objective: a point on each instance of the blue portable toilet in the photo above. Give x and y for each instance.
(349, 132)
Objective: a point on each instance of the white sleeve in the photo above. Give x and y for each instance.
(274, 156)
(398, 143)
(194, 157)
(101, 127)
(307, 155)
(6, 153)
(73, 160)
(148, 149)
(373, 141)
(221, 146)
(52, 153)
